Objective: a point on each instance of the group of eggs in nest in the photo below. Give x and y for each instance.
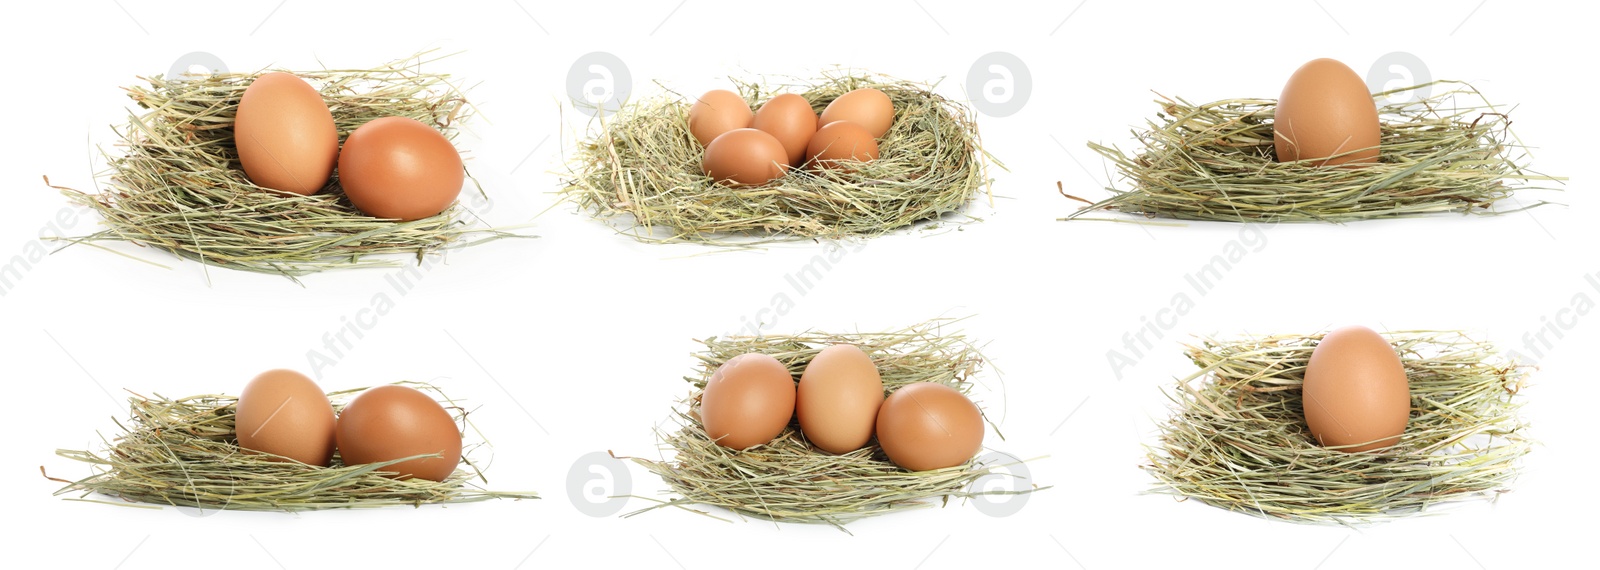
(392, 167)
(744, 147)
(284, 413)
(840, 406)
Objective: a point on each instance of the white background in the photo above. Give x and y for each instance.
(575, 342)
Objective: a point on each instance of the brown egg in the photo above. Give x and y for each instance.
(392, 422)
(838, 399)
(1355, 391)
(748, 401)
(399, 168)
(745, 156)
(927, 426)
(840, 142)
(285, 135)
(867, 107)
(284, 413)
(789, 119)
(717, 112)
(1325, 110)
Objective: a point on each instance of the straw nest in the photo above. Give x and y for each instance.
(183, 452)
(788, 480)
(177, 185)
(642, 172)
(1237, 438)
(1449, 152)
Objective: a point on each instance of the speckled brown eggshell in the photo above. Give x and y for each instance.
(399, 168)
(282, 412)
(391, 422)
(747, 401)
(285, 135)
(1355, 392)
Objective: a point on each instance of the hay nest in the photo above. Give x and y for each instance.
(1238, 440)
(642, 171)
(1449, 152)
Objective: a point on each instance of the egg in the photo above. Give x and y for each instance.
(718, 112)
(841, 141)
(867, 107)
(285, 135)
(283, 412)
(838, 399)
(926, 425)
(748, 401)
(399, 168)
(390, 422)
(1355, 391)
(1325, 109)
(789, 119)
(745, 156)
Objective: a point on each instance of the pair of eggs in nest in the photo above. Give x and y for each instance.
(392, 167)
(284, 413)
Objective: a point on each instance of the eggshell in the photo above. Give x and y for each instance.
(391, 422)
(748, 401)
(1325, 109)
(717, 112)
(925, 426)
(285, 135)
(838, 399)
(789, 119)
(284, 413)
(745, 156)
(867, 107)
(839, 142)
(1355, 391)
(395, 167)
